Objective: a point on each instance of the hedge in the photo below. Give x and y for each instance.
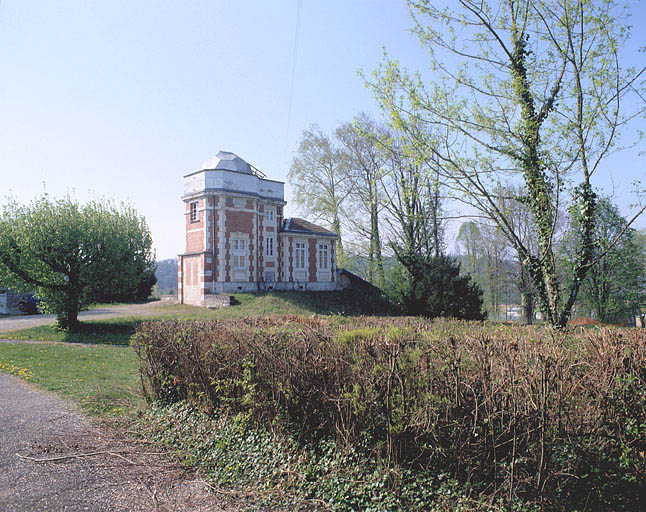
(522, 412)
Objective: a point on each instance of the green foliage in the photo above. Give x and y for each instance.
(433, 287)
(271, 470)
(614, 288)
(320, 181)
(534, 92)
(166, 274)
(74, 254)
(388, 407)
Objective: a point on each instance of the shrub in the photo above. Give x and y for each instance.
(519, 412)
(433, 287)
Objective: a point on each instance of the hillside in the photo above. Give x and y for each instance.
(167, 276)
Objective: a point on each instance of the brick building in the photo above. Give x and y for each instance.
(238, 241)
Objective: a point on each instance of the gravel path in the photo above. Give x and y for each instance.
(13, 323)
(96, 468)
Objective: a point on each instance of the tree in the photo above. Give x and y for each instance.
(486, 253)
(69, 251)
(614, 287)
(320, 180)
(531, 89)
(412, 199)
(361, 142)
(433, 287)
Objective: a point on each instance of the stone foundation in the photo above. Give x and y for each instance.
(217, 301)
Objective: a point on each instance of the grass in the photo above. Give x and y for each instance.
(102, 375)
(118, 331)
(103, 380)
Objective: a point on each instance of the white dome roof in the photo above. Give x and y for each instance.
(225, 160)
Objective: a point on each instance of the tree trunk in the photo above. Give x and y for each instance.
(67, 319)
(336, 227)
(528, 308)
(375, 246)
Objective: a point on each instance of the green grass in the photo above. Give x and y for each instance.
(104, 377)
(115, 331)
(118, 331)
(104, 380)
(346, 303)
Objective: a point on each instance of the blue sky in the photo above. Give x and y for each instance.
(122, 98)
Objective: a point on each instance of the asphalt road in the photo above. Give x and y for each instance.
(95, 470)
(13, 323)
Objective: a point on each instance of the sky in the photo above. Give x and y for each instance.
(121, 99)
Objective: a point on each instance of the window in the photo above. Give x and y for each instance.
(270, 215)
(239, 253)
(323, 256)
(270, 277)
(193, 210)
(279, 211)
(270, 246)
(299, 255)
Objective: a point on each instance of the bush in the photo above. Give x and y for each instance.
(433, 287)
(554, 418)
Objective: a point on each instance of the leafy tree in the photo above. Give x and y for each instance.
(320, 180)
(361, 142)
(433, 287)
(412, 199)
(71, 252)
(531, 89)
(614, 288)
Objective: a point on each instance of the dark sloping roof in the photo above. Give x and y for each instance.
(356, 281)
(296, 225)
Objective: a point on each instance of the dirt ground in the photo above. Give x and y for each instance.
(53, 458)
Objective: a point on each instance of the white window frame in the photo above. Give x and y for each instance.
(324, 256)
(239, 253)
(270, 215)
(299, 249)
(270, 246)
(193, 211)
(270, 276)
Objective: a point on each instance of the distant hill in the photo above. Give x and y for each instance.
(167, 276)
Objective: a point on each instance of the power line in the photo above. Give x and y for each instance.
(299, 10)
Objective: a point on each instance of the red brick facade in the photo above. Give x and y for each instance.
(214, 218)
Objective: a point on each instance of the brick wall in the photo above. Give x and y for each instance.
(195, 229)
(312, 259)
(239, 222)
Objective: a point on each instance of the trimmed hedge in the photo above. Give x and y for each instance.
(518, 412)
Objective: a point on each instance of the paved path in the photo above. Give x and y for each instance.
(120, 476)
(13, 323)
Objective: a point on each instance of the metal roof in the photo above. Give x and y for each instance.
(227, 161)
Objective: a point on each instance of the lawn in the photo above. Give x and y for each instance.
(103, 374)
(118, 331)
(103, 379)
